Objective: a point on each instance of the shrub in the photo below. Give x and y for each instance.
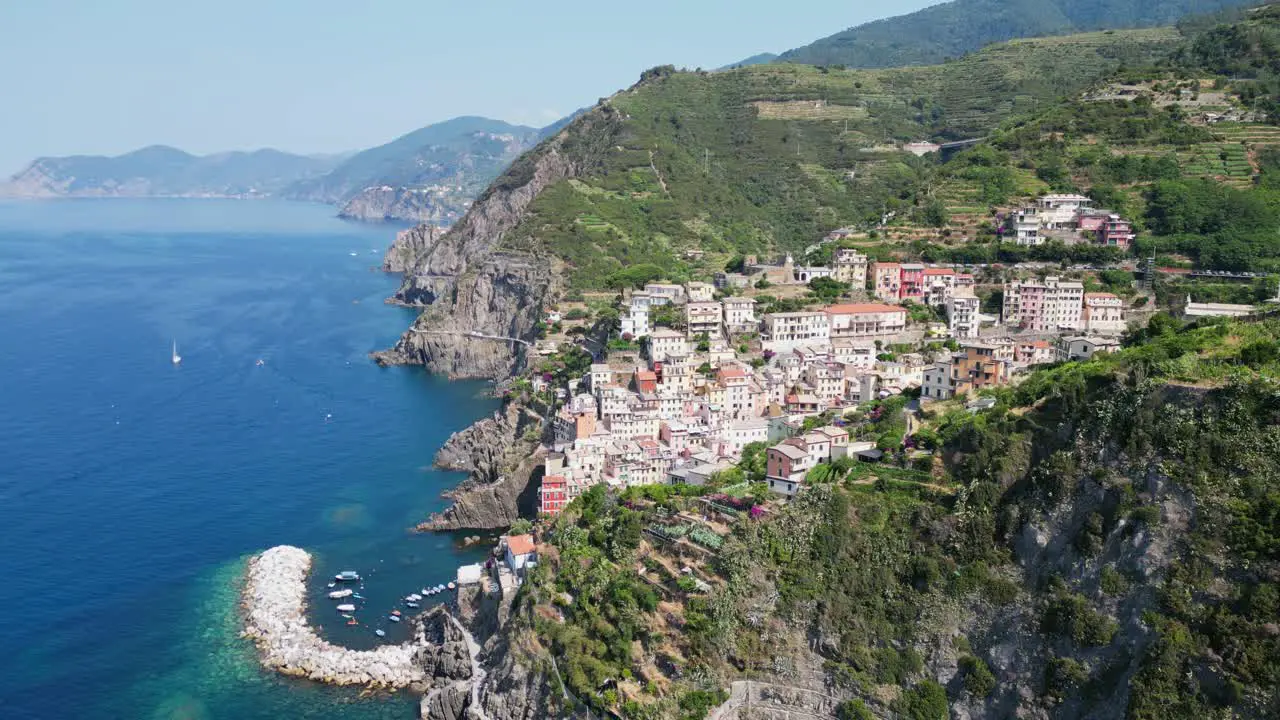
(854, 710)
(926, 701)
(1063, 675)
(978, 680)
(1112, 582)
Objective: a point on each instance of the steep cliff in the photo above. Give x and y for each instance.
(470, 285)
(500, 453)
(409, 245)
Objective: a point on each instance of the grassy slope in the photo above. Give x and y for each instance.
(772, 157)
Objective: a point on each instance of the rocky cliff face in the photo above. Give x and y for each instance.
(501, 460)
(409, 245)
(471, 284)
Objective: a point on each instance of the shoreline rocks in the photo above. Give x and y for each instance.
(501, 461)
(274, 601)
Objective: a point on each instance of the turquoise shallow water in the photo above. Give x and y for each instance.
(131, 491)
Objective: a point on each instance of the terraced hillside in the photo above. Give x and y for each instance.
(769, 157)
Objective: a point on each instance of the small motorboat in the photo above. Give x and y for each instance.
(347, 576)
(261, 362)
(452, 586)
(410, 603)
(426, 591)
(380, 633)
(439, 588)
(338, 594)
(332, 584)
(352, 621)
(395, 612)
(347, 616)
(357, 596)
(353, 254)
(347, 608)
(393, 618)
(415, 597)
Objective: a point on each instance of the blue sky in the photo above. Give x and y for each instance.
(326, 76)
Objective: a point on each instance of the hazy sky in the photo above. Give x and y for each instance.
(326, 76)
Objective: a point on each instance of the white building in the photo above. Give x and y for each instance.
(635, 318)
(1082, 347)
(739, 314)
(865, 320)
(1194, 309)
(662, 294)
(1026, 227)
(665, 342)
(784, 331)
(1060, 211)
(963, 317)
(1103, 313)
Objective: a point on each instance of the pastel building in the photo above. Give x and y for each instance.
(1103, 313)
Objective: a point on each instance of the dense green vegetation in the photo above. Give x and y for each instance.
(952, 29)
(1108, 458)
(772, 157)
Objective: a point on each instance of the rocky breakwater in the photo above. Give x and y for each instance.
(275, 618)
(488, 274)
(500, 453)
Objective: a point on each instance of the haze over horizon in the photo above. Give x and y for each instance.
(328, 77)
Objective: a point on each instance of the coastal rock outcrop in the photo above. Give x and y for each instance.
(500, 453)
(409, 245)
(275, 618)
(474, 277)
(499, 298)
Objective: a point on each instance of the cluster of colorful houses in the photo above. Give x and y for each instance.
(1071, 219)
(683, 408)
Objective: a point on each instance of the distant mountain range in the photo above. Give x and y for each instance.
(428, 175)
(952, 29)
(162, 171)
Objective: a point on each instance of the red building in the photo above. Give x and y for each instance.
(913, 285)
(554, 494)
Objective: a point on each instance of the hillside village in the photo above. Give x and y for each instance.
(699, 372)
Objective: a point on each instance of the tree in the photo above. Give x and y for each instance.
(520, 527)
(828, 290)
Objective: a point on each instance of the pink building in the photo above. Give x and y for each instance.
(1116, 232)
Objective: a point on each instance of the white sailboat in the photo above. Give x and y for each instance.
(176, 357)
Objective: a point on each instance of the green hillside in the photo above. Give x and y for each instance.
(953, 29)
(1103, 543)
(774, 156)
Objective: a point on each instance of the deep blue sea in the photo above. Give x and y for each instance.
(132, 490)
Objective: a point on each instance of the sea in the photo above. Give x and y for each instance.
(133, 490)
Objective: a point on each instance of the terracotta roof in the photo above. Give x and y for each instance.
(939, 271)
(553, 480)
(520, 544)
(888, 265)
(852, 308)
(730, 371)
